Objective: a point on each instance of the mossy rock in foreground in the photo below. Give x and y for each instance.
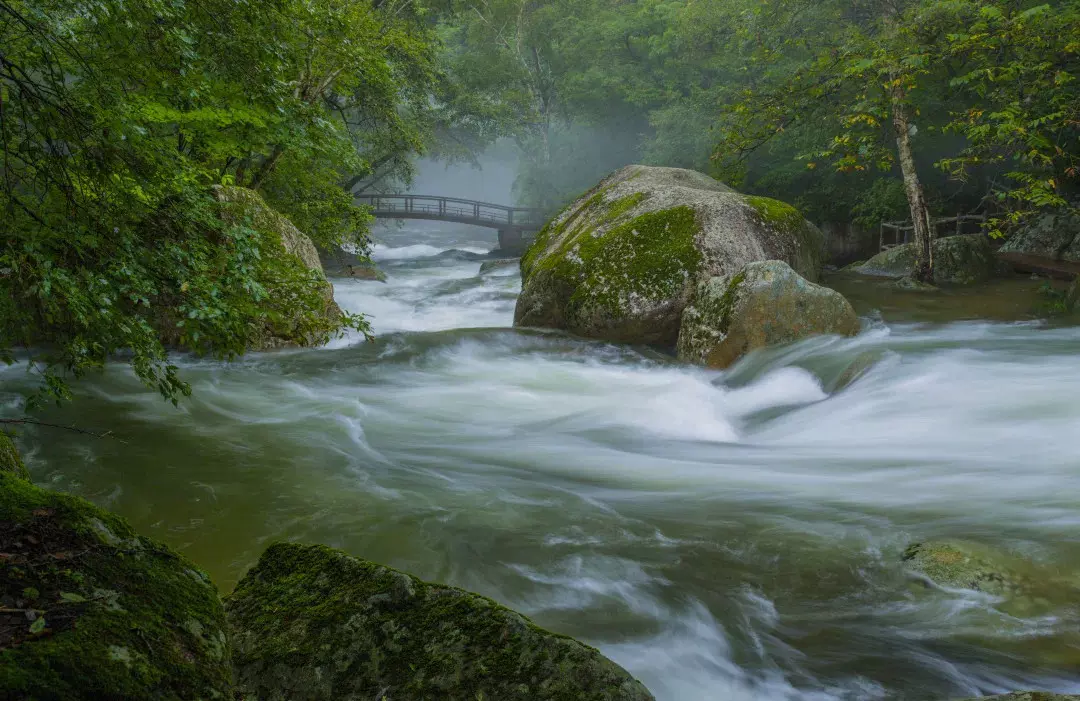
(10, 460)
(91, 610)
(310, 622)
(764, 303)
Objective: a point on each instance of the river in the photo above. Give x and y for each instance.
(723, 536)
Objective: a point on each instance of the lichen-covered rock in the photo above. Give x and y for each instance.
(764, 303)
(309, 622)
(10, 460)
(958, 260)
(621, 262)
(961, 566)
(1028, 696)
(248, 206)
(93, 611)
(1055, 235)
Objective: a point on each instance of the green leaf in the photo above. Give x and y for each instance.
(37, 626)
(72, 598)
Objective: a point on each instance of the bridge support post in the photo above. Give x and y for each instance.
(511, 242)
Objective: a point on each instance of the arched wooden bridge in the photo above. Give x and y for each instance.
(515, 225)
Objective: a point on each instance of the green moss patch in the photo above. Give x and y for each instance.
(94, 611)
(649, 258)
(779, 215)
(314, 623)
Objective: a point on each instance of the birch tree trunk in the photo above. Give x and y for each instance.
(920, 215)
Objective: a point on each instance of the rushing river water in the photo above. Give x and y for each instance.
(721, 535)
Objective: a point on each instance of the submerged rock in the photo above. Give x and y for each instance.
(764, 303)
(859, 366)
(621, 263)
(10, 460)
(309, 622)
(93, 611)
(960, 566)
(1055, 235)
(363, 272)
(248, 205)
(499, 264)
(910, 284)
(958, 260)
(342, 263)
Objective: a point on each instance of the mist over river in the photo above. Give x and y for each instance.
(722, 535)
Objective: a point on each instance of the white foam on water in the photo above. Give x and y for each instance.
(383, 252)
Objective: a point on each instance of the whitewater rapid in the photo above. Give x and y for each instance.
(722, 535)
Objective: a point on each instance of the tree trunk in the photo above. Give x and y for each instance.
(920, 216)
(267, 167)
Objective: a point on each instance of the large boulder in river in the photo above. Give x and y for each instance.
(621, 263)
(958, 260)
(281, 322)
(762, 304)
(1055, 235)
(309, 622)
(90, 610)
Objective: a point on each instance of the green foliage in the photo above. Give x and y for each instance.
(1020, 69)
(117, 118)
(794, 100)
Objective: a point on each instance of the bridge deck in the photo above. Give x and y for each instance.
(453, 209)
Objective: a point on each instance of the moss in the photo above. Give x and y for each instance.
(10, 460)
(779, 215)
(312, 622)
(727, 301)
(624, 204)
(650, 257)
(801, 242)
(123, 617)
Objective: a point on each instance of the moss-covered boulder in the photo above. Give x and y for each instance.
(958, 260)
(90, 610)
(621, 262)
(762, 304)
(10, 460)
(282, 328)
(309, 622)
(1055, 235)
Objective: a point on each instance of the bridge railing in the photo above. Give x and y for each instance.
(453, 207)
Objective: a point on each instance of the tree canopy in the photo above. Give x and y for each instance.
(116, 118)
